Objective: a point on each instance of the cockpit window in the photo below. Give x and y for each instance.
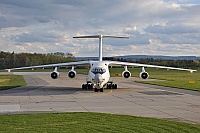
(98, 70)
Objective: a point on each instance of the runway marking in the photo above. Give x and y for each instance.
(110, 91)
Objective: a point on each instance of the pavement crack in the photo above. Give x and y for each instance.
(146, 106)
(80, 105)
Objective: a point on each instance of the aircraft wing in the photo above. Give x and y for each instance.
(117, 63)
(53, 65)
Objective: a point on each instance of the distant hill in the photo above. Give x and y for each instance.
(159, 57)
(86, 58)
(137, 57)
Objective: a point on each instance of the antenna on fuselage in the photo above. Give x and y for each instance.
(101, 42)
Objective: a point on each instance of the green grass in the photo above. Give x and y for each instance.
(11, 81)
(91, 122)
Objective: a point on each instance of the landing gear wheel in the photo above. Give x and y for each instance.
(96, 90)
(83, 87)
(101, 90)
(114, 86)
(86, 86)
(109, 86)
(89, 86)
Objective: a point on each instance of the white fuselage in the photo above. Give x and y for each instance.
(99, 74)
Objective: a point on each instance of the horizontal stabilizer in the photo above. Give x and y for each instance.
(101, 36)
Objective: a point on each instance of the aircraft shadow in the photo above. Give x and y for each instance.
(41, 91)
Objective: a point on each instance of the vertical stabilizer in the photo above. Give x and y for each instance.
(101, 42)
(100, 48)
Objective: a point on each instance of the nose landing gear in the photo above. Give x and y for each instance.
(90, 86)
(97, 90)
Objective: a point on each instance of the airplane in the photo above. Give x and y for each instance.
(99, 76)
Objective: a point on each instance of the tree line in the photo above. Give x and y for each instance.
(13, 60)
(172, 63)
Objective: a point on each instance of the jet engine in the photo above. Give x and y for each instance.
(55, 74)
(126, 74)
(72, 74)
(144, 75)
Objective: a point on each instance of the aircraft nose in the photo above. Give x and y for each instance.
(98, 78)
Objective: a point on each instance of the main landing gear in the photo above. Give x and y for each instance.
(111, 86)
(89, 86)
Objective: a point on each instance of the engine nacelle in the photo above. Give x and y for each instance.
(126, 74)
(72, 74)
(55, 74)
(144, 75)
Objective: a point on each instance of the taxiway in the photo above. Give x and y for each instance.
(45, 95)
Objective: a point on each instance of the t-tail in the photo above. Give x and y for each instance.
(101, 42)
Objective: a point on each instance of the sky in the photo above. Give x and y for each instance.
(155, 27)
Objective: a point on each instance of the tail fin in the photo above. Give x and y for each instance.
(101, 41)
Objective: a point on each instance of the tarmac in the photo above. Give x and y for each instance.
(45, 95)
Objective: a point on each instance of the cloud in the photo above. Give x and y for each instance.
(172, 29)
(49, 25)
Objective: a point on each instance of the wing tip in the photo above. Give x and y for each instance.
(193, 71)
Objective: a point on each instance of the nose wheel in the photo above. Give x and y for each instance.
(89, 86)
(97, 90)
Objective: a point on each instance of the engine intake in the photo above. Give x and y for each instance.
(55, 74)
(144, 75)
(72, 74)
(126, 74)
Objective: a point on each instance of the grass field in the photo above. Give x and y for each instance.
(91, 122)
(11, 81)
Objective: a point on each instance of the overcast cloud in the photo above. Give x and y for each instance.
(156, 27)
